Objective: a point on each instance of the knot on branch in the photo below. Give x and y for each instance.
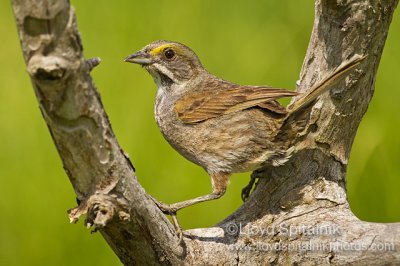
(47, 68)
(100, 210)
(93, 62)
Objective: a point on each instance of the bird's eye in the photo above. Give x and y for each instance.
(169, 53)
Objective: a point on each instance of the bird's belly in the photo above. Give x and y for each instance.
(238, 142)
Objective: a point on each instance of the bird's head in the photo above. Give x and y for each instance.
(168, 62)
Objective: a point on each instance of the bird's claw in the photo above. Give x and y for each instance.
(169, 209)
(246, 191)
(178, 228)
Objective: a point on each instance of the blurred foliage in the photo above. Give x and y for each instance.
(263, 42)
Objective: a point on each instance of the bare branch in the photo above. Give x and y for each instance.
(101, 174)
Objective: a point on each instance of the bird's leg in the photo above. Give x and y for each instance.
(257, 174)
(219, 183)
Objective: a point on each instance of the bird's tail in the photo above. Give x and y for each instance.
(339, 73)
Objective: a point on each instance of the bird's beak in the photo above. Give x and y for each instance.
(139, 57)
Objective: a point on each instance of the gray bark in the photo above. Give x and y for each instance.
(307, 195)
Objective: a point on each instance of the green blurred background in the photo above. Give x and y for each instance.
(263, 42)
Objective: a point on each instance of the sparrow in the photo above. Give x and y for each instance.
(221, 126)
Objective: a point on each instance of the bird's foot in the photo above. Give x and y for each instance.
(246, 191)
(171, 210)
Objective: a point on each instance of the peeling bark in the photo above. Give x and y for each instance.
(298, 214)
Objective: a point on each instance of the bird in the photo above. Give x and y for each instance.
(219, 125)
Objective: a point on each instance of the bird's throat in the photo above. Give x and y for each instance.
(160, 78)
(165, 80)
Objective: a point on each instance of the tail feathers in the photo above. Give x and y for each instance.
(326, 83)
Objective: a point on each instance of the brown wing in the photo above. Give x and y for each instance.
(199, 106)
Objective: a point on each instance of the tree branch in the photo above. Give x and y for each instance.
(101, 174)
(300, 207)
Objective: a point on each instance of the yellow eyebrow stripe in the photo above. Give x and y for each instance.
(159, 49)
